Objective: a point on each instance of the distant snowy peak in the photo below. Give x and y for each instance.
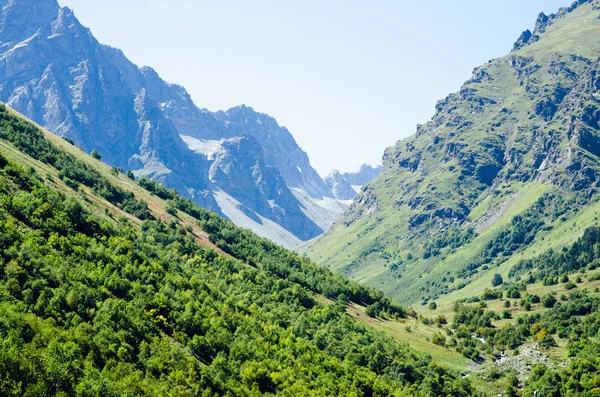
(339, 186)
(281, 148)
(365, 175)
(347, 186)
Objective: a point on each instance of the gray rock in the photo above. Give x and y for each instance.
(340, 186)
(56, 73)
(365, 175)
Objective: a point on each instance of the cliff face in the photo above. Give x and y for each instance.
(55, 72)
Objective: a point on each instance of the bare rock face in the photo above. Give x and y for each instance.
(240, 169)
(340, 186)
(365, 174)
(56, 73)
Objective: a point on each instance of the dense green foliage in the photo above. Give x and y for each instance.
(585, 253)
(577, 320)
(29, 139)
(94, 307)
(272, 258)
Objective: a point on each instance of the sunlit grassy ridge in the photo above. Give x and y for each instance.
(523, 129)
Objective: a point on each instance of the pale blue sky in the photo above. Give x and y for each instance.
(347, 77)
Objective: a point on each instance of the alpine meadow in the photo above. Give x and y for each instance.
(151, 247)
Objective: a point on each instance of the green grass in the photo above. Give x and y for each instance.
(494, 112)
(416, 335)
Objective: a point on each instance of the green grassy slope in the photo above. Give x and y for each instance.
(506, 168)
(111, 289)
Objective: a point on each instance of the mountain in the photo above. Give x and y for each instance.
(508, 167)
(56, 73)
(365, 174)
(346, 186)
(340, 187)
(111, 287)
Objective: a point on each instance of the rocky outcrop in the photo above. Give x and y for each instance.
(542, 22)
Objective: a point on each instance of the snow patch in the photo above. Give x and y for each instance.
(324, 211)
(266, 228)
(201, 146)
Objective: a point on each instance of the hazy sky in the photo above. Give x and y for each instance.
(348, 78)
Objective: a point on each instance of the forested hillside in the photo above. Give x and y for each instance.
(538, 335)
(109, 289)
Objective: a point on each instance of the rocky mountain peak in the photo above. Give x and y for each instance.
(341, 189)
(56, 73)
(542, 22)
(365, 174)
(21, 19)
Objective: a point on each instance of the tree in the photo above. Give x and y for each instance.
(69, 140)
(96, 154)
(432, 306)
(497, 280)
(548, 301)
(513, 293)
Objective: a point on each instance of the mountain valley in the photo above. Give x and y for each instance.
(146, 244)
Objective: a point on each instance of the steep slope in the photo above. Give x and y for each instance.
(506, 167)
(112, 287)
(55, 72)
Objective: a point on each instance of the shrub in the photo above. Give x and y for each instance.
(513, 293)
(489, 294)
(69, 140)
(497, 280)
(548, 301)
(96, 154)
(439, 339)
